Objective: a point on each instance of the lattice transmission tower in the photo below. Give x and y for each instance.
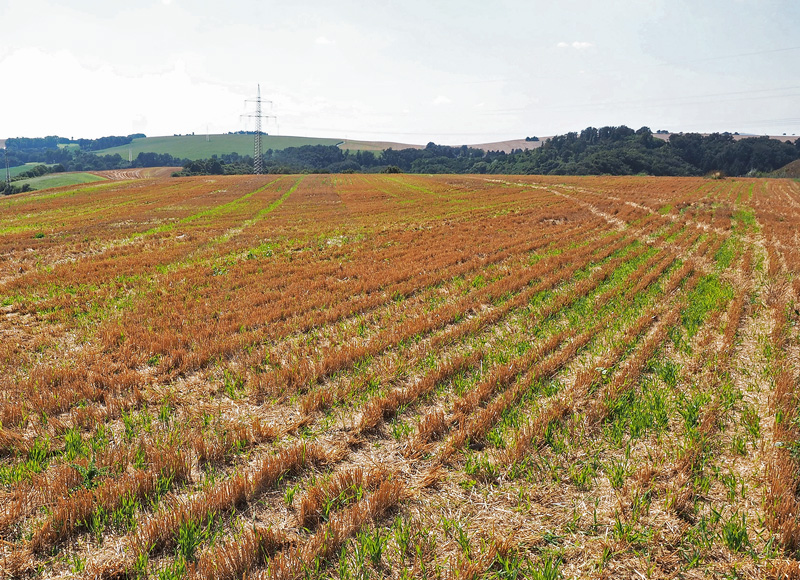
(8, 173)
(258, 161)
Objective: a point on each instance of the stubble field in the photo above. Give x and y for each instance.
(362, 376)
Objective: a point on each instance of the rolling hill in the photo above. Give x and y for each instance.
(203, 147)
(791, 170)
(15, 171)
(59, 180)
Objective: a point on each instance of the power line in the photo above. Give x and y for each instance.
(740, 55)
(307, 128)
(650, 101)
(627, 69)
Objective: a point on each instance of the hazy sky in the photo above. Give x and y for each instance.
(460, 71)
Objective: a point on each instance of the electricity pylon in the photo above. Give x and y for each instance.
(8, 172)
(258, 162)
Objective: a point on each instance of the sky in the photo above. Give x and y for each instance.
(413, 71)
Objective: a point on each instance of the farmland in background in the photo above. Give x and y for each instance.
(14, 171)
(363, 376)
(196, 146)
(58, 180)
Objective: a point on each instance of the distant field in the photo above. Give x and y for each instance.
(510, 145)
(14, 171)
(59, 180)
(351, 145)
(136, 173)
(196, 146)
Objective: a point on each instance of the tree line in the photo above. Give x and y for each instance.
(79, 160)
(53, 142)
(604, 151)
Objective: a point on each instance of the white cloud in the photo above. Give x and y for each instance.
(103, 102)
(191, 71)
(577, 45)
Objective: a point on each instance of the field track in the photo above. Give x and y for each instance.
(400, 376)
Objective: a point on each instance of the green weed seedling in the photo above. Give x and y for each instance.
(190, 535)
(77, 564)
(640, 503)
(511, 567)
(605, 557)
(555, 437)
(462, 538)
(129, 422)
(90, 475)
(97, 524)
(730, 481)
(495, 438)
(165, 413)
(402, 537)
(582, 476)
(726, 253)
(146, 420)
(140, 458)
(617, 470)
(739, 445)
(101, 438)
(667, 370)
(690, 407)
(124, 517)
(37, 460)
(232, 384)
(360, 556)
(573, 525)
(73, 445)
(548, 569)
(480, 466)
(626, 532)
(734, 533)
(141, 563)
(343, 565)
(163, 485)
(176, 571)
(699, 539)
(373, 544)
(400, 429)
(289, 494)
(752, 424)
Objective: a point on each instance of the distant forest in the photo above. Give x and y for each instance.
(608, 150)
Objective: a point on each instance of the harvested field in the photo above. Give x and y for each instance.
(137, 173)
(400, 376)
